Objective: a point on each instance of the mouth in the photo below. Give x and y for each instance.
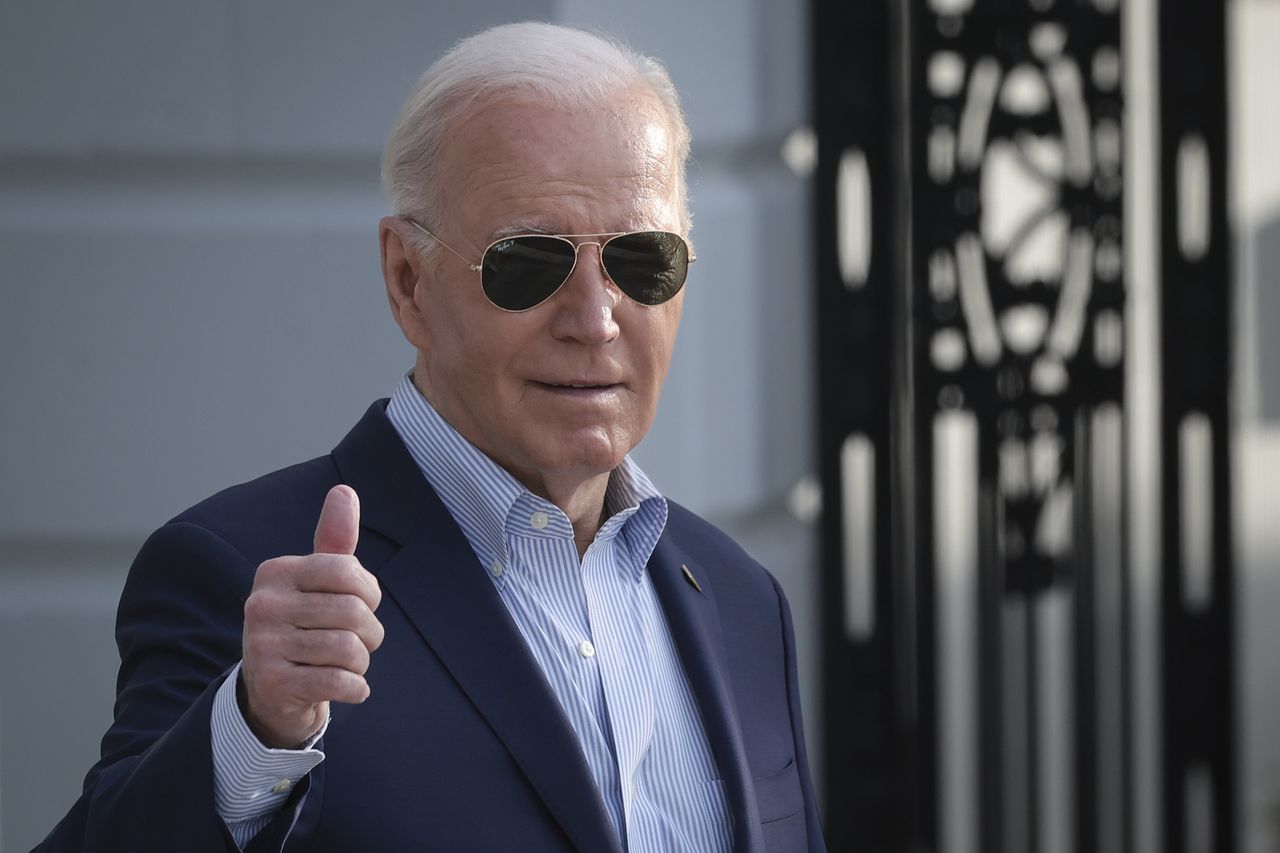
(584, 389)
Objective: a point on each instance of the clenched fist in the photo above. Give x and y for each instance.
(309, 629)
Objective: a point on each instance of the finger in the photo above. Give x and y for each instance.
(336, 574)
(327, 647)
(311, 684)
(339, 524)
(329, 611)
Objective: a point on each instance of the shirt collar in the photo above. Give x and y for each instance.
(633, 502)
(484, 498)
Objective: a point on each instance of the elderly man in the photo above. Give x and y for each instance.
(560, 659)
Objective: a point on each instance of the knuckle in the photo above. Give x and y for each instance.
(361, 582)
(352, 571)
(339, 649)
(264, 574)
(353, 577)
(351, 610)
(353, 646)
(257, 607)
(337, 567)
(271, 571)
(264, 608)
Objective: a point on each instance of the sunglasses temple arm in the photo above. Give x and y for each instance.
(452, 251)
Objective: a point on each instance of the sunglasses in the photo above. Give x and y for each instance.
(525, 270)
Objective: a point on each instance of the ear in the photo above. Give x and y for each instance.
(402, 270)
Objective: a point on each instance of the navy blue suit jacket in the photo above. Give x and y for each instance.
(462, 745)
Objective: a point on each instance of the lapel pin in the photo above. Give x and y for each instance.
(688, 575)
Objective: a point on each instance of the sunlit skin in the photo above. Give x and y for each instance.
(499, 377)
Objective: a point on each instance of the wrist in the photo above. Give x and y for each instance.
(264, 733)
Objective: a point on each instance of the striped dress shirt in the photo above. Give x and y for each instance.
(595, 627)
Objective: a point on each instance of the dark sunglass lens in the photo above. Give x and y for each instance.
(519, 272)
(649, 266)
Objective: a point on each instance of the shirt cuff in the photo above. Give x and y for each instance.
(251, 781)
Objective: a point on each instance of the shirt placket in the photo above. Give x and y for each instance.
(561, 637)
(625, 664)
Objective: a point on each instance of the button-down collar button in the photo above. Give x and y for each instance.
(282, 786)
(538, 520)
(587, 650)
(495, 569)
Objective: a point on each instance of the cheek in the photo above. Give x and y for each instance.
(664, 337)
(446, 318)
(427, 300)
(659, 343)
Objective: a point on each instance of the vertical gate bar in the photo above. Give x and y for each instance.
(922, 408)
(870, 772)
(1197, 652)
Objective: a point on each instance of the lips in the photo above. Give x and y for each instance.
(579, 388)
(580, 385)
(579, 382)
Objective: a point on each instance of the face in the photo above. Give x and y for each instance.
(557, 394)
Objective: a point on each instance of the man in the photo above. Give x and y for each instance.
(475, 625)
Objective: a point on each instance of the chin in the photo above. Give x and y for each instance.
(592, 451)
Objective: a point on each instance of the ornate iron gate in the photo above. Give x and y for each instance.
(972, 301)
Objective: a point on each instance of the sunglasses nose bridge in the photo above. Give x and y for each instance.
(577, 253)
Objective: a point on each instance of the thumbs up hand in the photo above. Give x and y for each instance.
(309, 629)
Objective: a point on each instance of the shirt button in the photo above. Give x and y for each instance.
(281, 786)
(538, 520)
(495, 569)
(587, 650)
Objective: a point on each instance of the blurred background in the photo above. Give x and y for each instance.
(191, 297)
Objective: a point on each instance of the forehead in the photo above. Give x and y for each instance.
(569, 170)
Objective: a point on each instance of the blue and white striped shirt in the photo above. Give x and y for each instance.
(594, 626)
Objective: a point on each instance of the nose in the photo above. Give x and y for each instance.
(584, 306)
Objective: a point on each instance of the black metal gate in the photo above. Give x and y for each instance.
(974, 331)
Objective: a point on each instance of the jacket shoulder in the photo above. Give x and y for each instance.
(271, 515)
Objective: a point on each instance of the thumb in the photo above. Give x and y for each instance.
(339, 524)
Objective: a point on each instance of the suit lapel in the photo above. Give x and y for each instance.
(436, 579)
(694, 620)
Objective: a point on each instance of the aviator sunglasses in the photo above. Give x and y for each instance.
(525, 270)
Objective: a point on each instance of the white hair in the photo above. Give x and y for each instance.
(545, 63)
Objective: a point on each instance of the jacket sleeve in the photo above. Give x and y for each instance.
(178, 628)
